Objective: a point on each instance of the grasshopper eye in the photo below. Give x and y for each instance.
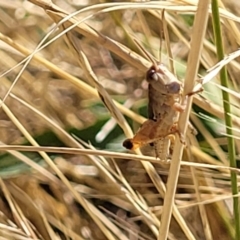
(173, 87)
(151, 75)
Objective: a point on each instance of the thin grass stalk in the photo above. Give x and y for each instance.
(199, 29)
(227, 113)
(66, 150)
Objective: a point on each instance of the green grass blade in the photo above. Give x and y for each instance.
(227, 111)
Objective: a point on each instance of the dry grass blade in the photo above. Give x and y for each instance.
(195, 151)
(104, 96)
(221, 155)
(29, 208)
(17, 213)
(216, 69)
(33, 165)
(215, 109)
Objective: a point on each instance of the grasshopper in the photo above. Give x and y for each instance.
(164, 95)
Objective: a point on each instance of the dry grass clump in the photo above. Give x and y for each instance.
(72, 89)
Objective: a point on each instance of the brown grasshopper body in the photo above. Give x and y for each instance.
(164, 93)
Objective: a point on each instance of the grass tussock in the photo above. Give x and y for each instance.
(72, 88)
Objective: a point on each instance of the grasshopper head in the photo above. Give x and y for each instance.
(163, 80)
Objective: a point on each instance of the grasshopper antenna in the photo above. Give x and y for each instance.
(161, 30)
(164, 34)
(145, 53)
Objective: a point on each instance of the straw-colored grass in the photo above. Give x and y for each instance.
(72, 88)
